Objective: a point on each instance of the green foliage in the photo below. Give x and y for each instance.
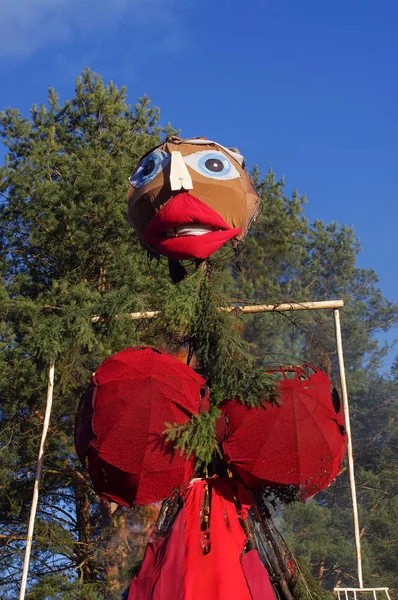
(314, 533)
(288, 259)
(57, 588)
(191, 315)
(67, 255)
(305, 586)
(224, 358)
(197, 437)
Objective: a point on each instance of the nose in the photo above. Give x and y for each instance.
(179, 174)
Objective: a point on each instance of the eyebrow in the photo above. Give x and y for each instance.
(238, 157)
(198, 141)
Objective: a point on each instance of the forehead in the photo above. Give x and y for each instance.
(189, 146)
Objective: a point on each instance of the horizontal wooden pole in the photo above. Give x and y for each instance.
(377, 589)
(249, 309)
(285, 306)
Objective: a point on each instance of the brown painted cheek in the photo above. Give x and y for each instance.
(160, 197)
(159, 186)
(229, 201)
(146, 201)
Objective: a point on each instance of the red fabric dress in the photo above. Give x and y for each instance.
(204, 560)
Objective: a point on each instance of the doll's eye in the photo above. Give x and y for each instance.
(151, 166)
(212, 164)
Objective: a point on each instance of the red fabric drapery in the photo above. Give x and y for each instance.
(178, 568)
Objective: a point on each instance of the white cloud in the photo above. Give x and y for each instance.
(27, 25)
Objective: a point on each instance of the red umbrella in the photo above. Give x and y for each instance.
(296, 448)
(121, 419)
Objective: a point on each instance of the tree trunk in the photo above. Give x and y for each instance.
(85, 559)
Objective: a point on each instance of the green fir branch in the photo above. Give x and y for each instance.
(192, 315)
(197, 437)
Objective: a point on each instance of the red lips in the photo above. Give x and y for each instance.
(185, 209)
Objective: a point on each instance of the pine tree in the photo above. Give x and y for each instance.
(288, 259)
(68, 255)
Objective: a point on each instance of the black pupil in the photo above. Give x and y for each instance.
(149, 167)
(214, 164)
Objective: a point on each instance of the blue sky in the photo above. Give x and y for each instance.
(308, 88)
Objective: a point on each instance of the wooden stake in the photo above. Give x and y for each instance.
(39, 469)
(349, 445)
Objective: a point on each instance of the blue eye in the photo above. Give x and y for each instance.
(212, 164)
(151, 166)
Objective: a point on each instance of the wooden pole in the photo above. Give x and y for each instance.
(285, 306)
(250, 309)
(349, 445)
(39, 469)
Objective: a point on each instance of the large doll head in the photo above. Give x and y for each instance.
(187, 198)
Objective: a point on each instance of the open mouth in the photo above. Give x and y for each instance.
(186, 228)
(191, 229)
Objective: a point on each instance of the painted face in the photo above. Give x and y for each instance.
(187, 198)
